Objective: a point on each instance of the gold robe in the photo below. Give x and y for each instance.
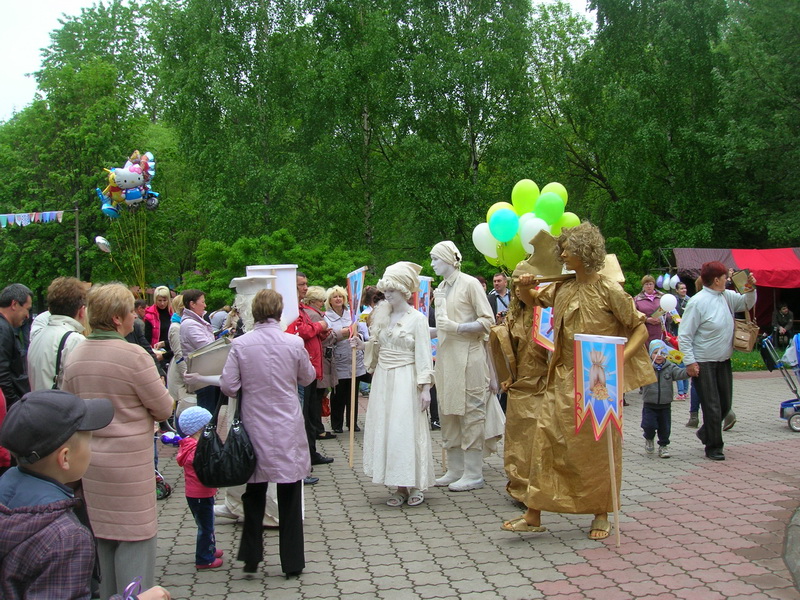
(523, 363)
(570, 472)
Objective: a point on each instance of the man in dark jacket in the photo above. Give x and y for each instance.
(15, 304)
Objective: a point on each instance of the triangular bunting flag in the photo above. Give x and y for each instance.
(60, 215)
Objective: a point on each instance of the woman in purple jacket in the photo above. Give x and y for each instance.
(268, 365)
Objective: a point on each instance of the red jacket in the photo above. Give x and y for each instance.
(193, 487)
(151, 316)
(312, 331)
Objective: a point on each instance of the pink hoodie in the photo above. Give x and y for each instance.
(194, 489)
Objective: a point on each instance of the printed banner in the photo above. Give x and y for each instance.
(542, 330)
(355, 289)
(598, 381)
(422, 297)
(25, 219)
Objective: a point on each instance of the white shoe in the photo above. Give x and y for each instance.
(473, 473)
(455, 467)
(649, 446)
(221, 511)
(663, 452)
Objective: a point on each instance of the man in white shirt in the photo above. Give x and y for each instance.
(706, 340)
(66, 301)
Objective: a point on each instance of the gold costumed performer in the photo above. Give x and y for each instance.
(521, 366)
(569, 472)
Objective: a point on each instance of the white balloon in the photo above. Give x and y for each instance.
(525, 217)
(668, 302)
(665, 282)
(102, 243)
(484, 240)
(529, 230)
(674, 282)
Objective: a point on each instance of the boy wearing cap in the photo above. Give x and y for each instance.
(45, 552)
(199, 497)
(657, 399)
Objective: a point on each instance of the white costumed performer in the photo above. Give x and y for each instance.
(397, 439)
(463, 320)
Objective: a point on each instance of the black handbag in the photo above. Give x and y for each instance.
(228, 464)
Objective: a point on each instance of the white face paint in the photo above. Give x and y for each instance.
(394, 298)
(441, 268)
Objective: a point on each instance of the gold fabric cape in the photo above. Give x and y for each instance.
(570, 472)
(522, 363)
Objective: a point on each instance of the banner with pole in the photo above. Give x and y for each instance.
(422, 297)
(599, 362)
(355, 288)
(542, 330)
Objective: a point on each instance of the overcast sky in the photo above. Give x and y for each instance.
(25, 28)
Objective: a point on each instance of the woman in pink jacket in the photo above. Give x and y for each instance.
(119, 485)
(268, 365)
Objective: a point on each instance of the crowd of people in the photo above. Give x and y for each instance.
(101, 372)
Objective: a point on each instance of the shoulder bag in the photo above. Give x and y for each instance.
(745, 333)
(58, 359)
(219, 464)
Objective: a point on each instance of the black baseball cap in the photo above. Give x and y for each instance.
(40, 422)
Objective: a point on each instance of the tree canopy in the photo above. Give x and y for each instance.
(334, 134)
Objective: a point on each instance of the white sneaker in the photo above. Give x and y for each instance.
(221, 511)
(663, 452)
(649, 446)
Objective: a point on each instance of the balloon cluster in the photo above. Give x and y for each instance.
(170, 439)
(665, 282)
(504, 239)
(129, 185)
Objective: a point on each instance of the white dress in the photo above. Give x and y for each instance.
(397, 436)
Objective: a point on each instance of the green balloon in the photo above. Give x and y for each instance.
(524, 196)
(512, 253)
(549, 207)
(556, 188)
(569, 220)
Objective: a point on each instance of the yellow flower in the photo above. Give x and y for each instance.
(675, 356)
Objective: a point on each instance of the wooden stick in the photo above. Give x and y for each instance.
(353, 386)
(614, 500)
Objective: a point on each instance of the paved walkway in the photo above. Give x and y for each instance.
(691, 528)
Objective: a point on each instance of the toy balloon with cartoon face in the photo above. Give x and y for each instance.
(129, 185)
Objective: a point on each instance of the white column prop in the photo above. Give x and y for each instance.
(246, 289)
(285, 284)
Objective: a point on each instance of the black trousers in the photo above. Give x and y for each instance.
(340, 403)
(290, 525)
(309, 411)
(715, 384)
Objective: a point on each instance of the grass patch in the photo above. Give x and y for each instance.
(747, 361)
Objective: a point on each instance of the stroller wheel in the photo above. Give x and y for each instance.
(794, 422)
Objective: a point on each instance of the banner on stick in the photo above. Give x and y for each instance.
(599, 364)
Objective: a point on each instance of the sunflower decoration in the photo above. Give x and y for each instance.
(675, 356)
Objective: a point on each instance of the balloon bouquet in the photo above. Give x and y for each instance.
(504, 239)
(129, 187)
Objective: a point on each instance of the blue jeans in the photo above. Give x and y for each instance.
(694, 404)
(683, 386)
(203, 513)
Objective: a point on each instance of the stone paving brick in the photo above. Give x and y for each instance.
(691, 529)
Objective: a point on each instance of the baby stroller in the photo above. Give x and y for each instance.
(790, 409)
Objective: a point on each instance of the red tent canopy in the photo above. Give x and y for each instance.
(777, 267)
(774, 268)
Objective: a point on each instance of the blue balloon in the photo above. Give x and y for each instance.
(504, 224)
